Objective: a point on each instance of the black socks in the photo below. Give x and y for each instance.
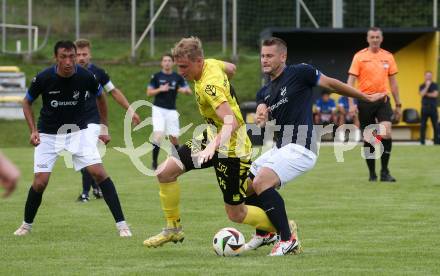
(274, 207)
(32, 203)
(111, 198)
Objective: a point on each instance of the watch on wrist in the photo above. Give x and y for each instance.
(398, 105)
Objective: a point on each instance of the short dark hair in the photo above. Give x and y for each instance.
(167, 55)
(281, 44)
(66, 44)
(375, 29)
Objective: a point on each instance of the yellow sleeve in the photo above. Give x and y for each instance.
(218, 63)
(213, 95)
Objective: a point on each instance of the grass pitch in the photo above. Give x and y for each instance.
(347, 225)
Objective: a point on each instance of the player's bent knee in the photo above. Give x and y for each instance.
(169, 170)
(40, 183)
(166, 176)
(237, 213)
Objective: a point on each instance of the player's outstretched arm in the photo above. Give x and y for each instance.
(352, 108)
(346, 90)
(120, 98)
(185, 90)
(29, 115)
(230, 124)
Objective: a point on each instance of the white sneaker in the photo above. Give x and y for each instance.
(23, 230)
(282, 248)
(257, 241)
(124, 230)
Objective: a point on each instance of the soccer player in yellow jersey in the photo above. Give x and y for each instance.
(224, 145)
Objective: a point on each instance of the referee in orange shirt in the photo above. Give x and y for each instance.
(371, 68)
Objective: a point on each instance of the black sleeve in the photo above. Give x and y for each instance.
(95, 87)
(104, 78)
(260, 95)
(181, 82)
(434, 87)
(309, 74)
(35, 89)
(154, 83)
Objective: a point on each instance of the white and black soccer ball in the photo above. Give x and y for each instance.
(228, 242)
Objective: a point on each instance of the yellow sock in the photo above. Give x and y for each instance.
(257, 217)
(169, 200)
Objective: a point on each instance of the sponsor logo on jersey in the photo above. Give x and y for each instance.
(56, 103)
(283, 91)
(75, 95)
(278, 104)
(210, 90)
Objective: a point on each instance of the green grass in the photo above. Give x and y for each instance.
(347, 225)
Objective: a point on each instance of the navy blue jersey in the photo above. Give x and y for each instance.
(290, 100)
(64, 99)
(167, 99)
(103, 79)
(428, 100)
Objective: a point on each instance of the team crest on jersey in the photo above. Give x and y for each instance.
(210, 90)
(283, 91)
(75, 95)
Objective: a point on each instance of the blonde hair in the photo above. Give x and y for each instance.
(83, 43)
(188, 47)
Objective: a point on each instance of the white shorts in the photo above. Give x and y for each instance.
(166, 121)
(83, 149)
(287, 162)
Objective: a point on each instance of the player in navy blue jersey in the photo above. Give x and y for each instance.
(62, 125)
(287, 98)
(83, 58)
(164, 86)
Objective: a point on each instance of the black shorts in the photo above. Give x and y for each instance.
(231, 172)
(373, 113)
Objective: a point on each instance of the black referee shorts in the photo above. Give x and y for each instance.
(231, 172)
(373, 113)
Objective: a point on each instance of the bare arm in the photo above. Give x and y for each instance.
(346, 90)
(154, 91)
(230, 124)
(29, 115)
(394, 89)
(185, 90)
(119, 97)
(351, 82)
(101, 103)
(9, 175)
(434, 94)
(230, 69)
(262, 115)
(424, 91)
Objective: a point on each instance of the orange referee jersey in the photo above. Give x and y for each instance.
(372, 70)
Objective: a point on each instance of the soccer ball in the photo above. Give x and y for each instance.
(228, 242)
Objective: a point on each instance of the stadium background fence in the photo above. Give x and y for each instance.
(111, 20)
